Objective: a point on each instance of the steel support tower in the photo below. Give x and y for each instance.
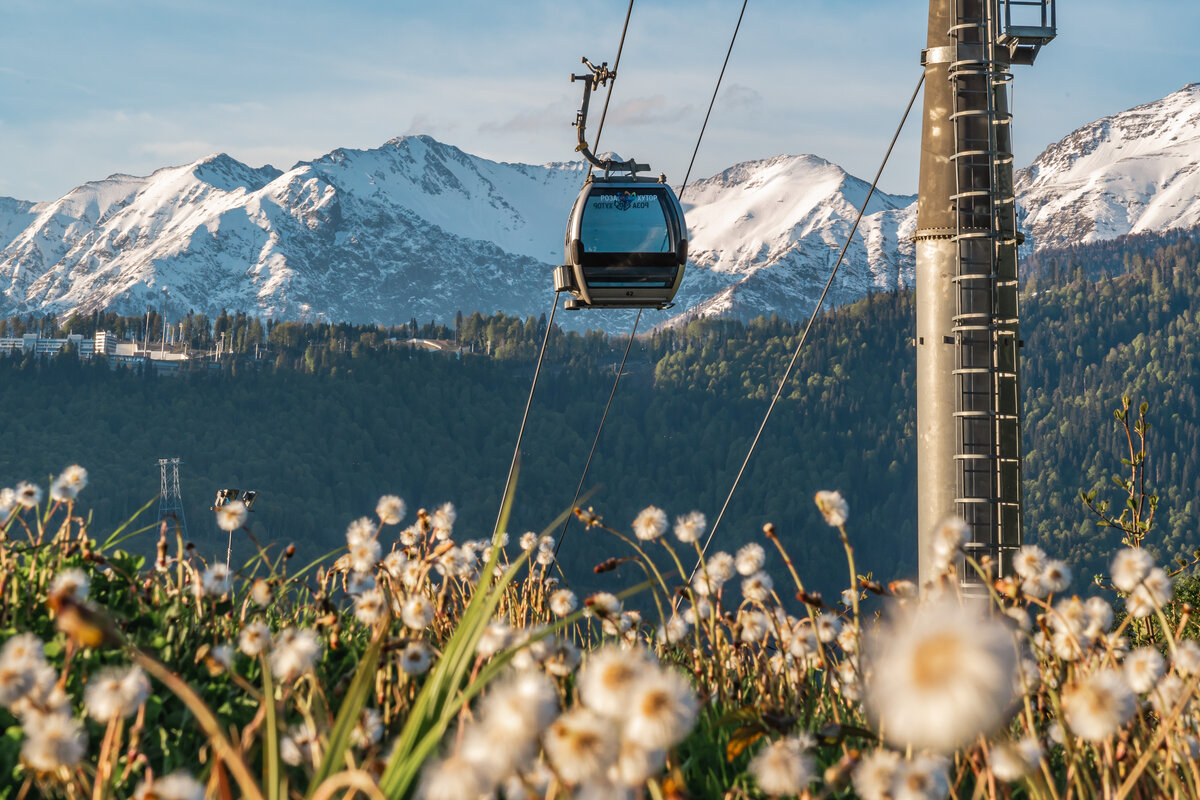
(968, 378)
(170, 498)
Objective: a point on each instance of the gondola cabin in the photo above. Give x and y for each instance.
(626, 245)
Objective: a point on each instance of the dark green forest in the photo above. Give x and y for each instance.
(322, 419)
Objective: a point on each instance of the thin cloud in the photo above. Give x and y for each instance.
(653, 110)
(737, 97)
(423, 123)
(528, 121)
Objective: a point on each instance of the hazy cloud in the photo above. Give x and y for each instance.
(423, 123)
(652, 110)
(737, 97)
(529, 121)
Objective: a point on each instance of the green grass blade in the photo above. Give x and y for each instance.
(113, 536)
(271, 734)
(350, 710)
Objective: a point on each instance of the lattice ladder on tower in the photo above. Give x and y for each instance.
(985, 323)
(170, 497)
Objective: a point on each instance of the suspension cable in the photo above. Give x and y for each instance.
(716, 88)
(633, 333)
(608, 94)
(596, 441)
(512, 468)
(816, 310)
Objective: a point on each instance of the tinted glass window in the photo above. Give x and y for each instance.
(628, 220)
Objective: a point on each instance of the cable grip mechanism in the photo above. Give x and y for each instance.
(595, 78)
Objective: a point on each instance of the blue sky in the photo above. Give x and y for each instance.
(93, 87)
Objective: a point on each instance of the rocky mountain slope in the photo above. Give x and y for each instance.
(1132, 172)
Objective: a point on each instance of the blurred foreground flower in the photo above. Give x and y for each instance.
(940, 674)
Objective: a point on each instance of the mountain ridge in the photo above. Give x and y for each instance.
(417, 227)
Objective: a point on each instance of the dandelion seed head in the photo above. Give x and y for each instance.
(453, 778)
(296, 746)
(1129, 567)
(1152, 593)
(581, 745)
(635, 765)
(261, 593)
(71, 583)
(28, 495)
(412, 574)
(938, 675)
(390, 509)
(1098, 705)
(254, 638)
(750, 559)
(650, 523)
(1100, 616)
(604, 604)
(178, 785)
(410, 536)
(67, 485)
(1030, 561)
(53, 741)
(369, 606)
(829, 626)
(753, 626)
(496, 636)
(293, 653)
(923, 778)
(415, 658)
(662, 709)
(1056, 576)
(231, 516)
(1166, 695)
(698, 611)
(528, 541)
(443, 520)
(417, 612)
(563, 602)
(675, 630)
(873, 775)
(947, 537)
(690, 527)
(783, 768)
(721, 566)
(364, 555)
(757, 587)
(1143, 668)
(832, 507)
(609, 676)
(1187, 658)
(215, 580)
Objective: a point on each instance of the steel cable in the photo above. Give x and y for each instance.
(812, 318)
(596, 441)
(716, 89)
(512, 467)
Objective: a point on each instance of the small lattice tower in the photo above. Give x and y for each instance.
(170, 499)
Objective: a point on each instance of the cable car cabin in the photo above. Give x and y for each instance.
(626, 245)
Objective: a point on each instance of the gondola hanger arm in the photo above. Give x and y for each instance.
(596, 77)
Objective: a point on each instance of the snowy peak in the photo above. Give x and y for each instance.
(1135, 171)
(223, 172)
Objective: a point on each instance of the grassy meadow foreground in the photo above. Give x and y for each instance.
(422, 662)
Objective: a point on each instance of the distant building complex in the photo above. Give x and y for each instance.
(166, 358)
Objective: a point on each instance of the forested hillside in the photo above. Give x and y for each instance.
(330, 417)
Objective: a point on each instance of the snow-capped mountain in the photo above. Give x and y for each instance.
(1135, 171)
(417, 228)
